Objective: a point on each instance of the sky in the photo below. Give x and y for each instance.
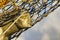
(46, 29)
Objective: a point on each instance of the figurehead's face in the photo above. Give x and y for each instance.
(3, 2)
